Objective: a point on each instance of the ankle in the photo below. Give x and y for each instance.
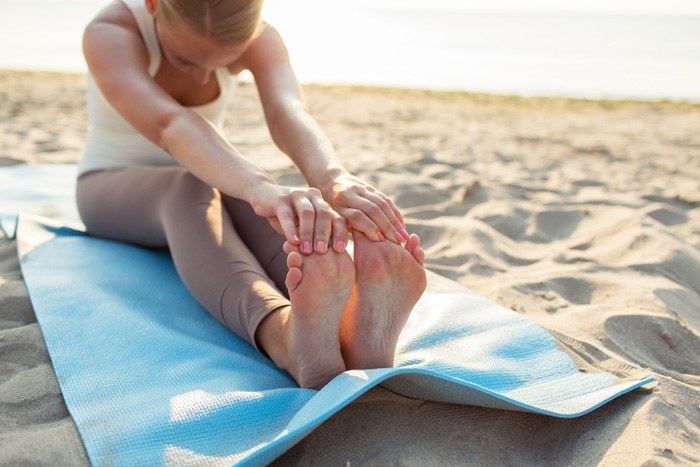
(271, 337)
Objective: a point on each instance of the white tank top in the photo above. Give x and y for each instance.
(112, 142)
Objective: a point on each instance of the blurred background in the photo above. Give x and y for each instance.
(644, 49)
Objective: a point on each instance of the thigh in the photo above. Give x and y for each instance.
(160, 207)
(260, 238)
(125, 204)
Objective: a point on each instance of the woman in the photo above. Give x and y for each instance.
(158, 172)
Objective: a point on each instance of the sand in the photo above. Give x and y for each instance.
(582, 215)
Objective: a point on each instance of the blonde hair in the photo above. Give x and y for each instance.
(226, 22)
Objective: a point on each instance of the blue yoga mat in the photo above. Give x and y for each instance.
(151, 378)
(48, 190)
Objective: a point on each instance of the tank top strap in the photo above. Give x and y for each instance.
(147, 27)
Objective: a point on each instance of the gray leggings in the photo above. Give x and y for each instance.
(229, 258)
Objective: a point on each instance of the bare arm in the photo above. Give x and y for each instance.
(298, 135)
(118, 61)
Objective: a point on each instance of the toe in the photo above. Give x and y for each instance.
(293, 279)
(294, 260)
(419, 254)
(412, 243)
(288, 248)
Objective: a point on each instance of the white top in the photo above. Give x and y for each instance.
(112, 142)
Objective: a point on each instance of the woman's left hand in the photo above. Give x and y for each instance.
(366, 209)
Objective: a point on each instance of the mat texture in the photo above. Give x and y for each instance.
(47, 190)
(152, 378)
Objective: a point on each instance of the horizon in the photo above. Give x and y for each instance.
(625, 50)
(643, 7)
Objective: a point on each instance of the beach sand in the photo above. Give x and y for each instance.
(582, 215)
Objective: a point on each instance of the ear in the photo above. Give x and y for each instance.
(151, 6)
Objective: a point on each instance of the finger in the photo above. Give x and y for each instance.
(287, 225)
(393, 207)
(397, 213)
(358, 220)
(276, 226)
(340, 234)
(323, 225)
(394, 229)
(306, 215)
(374, 212)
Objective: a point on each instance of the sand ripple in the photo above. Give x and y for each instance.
(584, 216)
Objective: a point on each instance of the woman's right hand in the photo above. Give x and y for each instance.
(301, 215)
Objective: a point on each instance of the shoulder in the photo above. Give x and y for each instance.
(116, 14)
(266, 48)
(113, 33)
(266, 38)
(114, 18)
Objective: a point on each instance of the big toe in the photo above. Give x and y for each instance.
(413, 247)
(419, 254)
(412, 243)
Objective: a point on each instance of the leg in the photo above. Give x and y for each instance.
(157, 207)
(389, 281)
(123, 205)
(260, 238)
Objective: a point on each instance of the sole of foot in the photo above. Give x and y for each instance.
(303, 339)
(389, 280)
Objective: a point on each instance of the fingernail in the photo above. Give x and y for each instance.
(320, 247)
(381, 237)
(399, 238)
(404, 234)
(306, 248)
(295, 237)
(339, 246)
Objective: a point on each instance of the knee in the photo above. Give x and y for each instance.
(186, 191)
(89, 202)
(82, 199)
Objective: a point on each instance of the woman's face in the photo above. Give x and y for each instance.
(192, 54)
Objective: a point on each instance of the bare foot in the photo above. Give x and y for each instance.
(389, 280)
(303, 339)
